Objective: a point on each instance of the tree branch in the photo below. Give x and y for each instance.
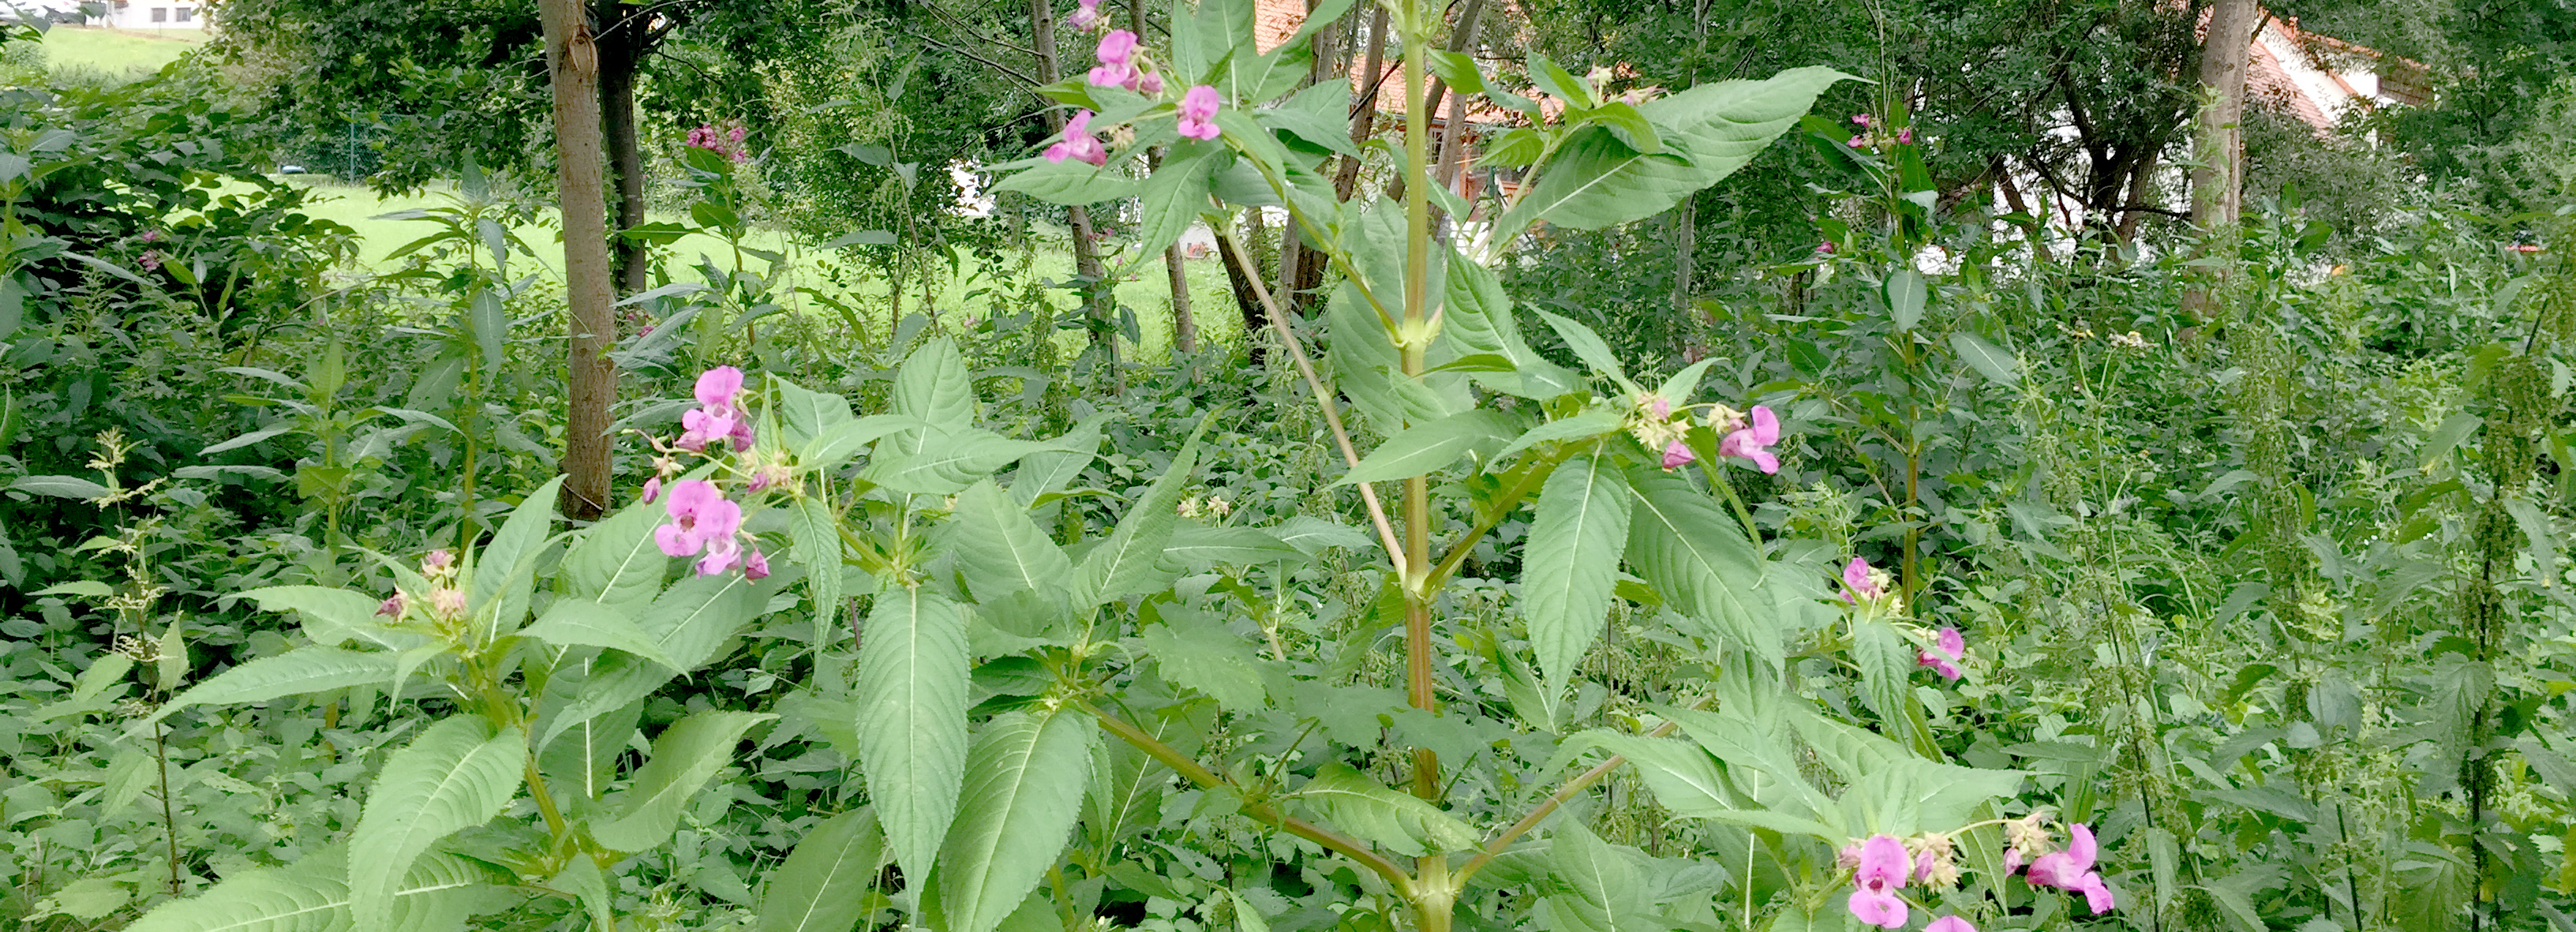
(1181, 763)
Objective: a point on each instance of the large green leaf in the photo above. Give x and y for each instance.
(685, 755)
(1572, 560)
(912, 719)
(616, 561)
(1400, 822)
(836, 444)
(817, 532)
(1170, 201)
(999, 549)
(1683, 777)
(302, 670)
(312, 895)
(1426, 447)
(458, 774)
(1195, 651)
(1478, 321)
(506, 568)
(948, 461)
(1698, 559)
(582, 621)
(1054, 469)
(1119, 566)
(332, 617)
(689, 622)
(1602, 893)
(823, 885)
(934, 386)
(1023, 791)
(1595, 180)
(1201, 547)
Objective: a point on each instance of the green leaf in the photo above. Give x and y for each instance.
(1424, 448)
(61, 486)
(1698, 559)
(86, 588)
(1312, 535)
(689, 621)
(1905, 297)
(1595, 180)
(817, 532)
(933, 385)
(313, 894)
(1400, 822)
(823, 884)
(506, 568)
(1197, 652)
(1588, 347)
(1998, 366)
(837, 443)
(1170, 201)
(1201, 547)
(1068, 182)
(912, 719)
(298, 671)
(616, 562)
(948, 462)
(685, 755)
(1479, 321)
(1682, 776)
(1602, 893)
(1119, 566)
(1055, 468)
(1024, 790)
(999, 549)
(1571, 560)
(1678, 389)
(458, 774)
(581, 621)
(807, 414)
(1591, 422)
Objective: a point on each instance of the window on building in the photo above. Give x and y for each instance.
(187, 13)
(160, 14)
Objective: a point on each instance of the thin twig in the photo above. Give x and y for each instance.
(1580, 783)
(997, 66)
(1324, 400)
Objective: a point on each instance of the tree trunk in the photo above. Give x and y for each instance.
(572, 65)
(2218, 185)
(1185, 329)
(1246, 298)
(1462, 40)
(621, 52)
(1086, 261)
(1364, 104)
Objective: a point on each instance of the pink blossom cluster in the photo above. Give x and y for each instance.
(1198, 113)
(719, 415)
(1122, 64)
(706, 525)
(1078, 143)
(1882, 865)
(445, 602)
(1087, 17)
(1948, 648)
(1748, 441)
(724, 142)
(1867, 139)
(2070, 870)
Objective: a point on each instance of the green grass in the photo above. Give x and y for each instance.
(117, 52)
(1146, 291)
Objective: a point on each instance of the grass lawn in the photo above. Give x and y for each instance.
(1146, 291)
(116, 51)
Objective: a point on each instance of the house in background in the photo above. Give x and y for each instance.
(2321, 79)
(145, 15)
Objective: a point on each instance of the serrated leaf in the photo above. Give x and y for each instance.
(616, 562)
(948, 462)
(689, 621)
(1117, 567)
(1195, 652)
(999, 549)
(1682, 776)
(1068, 182)
(934, 386)
(1026, 778)
(1694, 555)
(581, 621)
(1596, 180)
(298, 671)
(1905, 298)
(1679, 388)
(312, 895)
(458, 774)
(837, 443)
(685, 755)
(1998, 366)
(506, 568)
(819, 548)
(912, 719)
(1201, 547)
(1571, 561)
(1053, 469)
(1602, 892)
(822, 885)
(1400, 822)
(62, 486)
(85, 588)
(1312, 535)
(1591, 422)
(1425, 448)
(1479, 321)
(1589, 347)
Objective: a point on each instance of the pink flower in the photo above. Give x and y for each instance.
(2012, 860)
(1862, 119)
(1923, 864)
(392, 607)
(723, 553)
(2071, 870)
(2097, 895)
(152, 260)
(1906, 137)
(1149, 84)
(755, 566)
(717, 387)
(1825, 248)
(1086, 18)
(1883, 870)
(1949, 924)
(448, 602)
(1945, 654)
(1117, 54)
(1749, 442)
(437, 560)
(1859, 142)
(652, 489)
(1857, 582)
(1677, 454)
(720, 415)
(1198, 108)
(1078, 142)
(152, 236)
(700, 516)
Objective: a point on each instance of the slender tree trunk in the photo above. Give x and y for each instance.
(1364, 104)
(1185, 329)
(1462, 40)
(1086, 257)
(620, 53)
(2218, 185)
(1246, 298)
(572, 64)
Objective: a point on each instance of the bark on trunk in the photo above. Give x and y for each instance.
(572, 63)
(1246, 298)
(1086, 258)
(1364, 104)
(2218, 185)
(621, 52)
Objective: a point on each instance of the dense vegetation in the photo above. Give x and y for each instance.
(1739, 524)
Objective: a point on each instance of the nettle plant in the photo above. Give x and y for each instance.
(1039, 718)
